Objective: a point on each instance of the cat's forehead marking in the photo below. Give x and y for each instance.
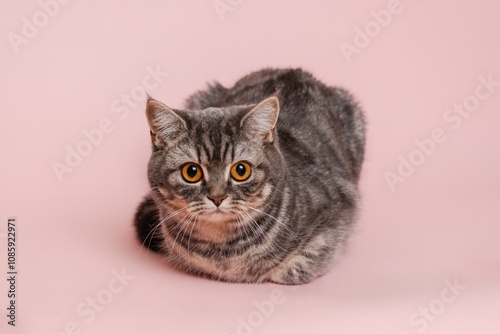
(214, 141)
(215, 135)
(184, 152)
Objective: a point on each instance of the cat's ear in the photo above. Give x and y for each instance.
(165, 124)
(260, 122)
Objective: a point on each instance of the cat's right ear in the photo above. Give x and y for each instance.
(165, 124)
(260, 122)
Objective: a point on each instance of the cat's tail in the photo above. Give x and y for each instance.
(146, 225)
(210, 97)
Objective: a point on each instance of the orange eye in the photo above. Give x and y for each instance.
(241, 171)
(191, 172)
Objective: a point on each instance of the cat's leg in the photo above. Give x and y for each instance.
(308, 263)
(146, 220)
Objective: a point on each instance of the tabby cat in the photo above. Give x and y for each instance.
(255, 183)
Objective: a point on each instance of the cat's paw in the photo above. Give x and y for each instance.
(291, 277)
(294, 272)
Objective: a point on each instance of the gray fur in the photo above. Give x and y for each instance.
(288, 222)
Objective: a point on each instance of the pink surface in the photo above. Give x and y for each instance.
(438, 226)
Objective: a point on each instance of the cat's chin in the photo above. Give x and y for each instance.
(216, 215)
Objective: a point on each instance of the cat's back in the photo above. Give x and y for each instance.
(298, 91)
(306, 104)
(295, 88)
(316, 122)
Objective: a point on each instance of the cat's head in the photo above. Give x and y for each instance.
(219, 164)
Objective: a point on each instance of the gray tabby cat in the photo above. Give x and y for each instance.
(257, 182)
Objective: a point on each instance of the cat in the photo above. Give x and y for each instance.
(254, 183)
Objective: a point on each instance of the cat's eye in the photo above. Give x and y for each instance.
(191, 172)
(241, 171)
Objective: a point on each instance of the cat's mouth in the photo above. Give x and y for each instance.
(216, 215)
(217, 211)
(227, 212)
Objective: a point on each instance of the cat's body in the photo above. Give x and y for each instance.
(290, 218)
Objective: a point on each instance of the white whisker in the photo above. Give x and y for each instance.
(153, 230)
(282, 224)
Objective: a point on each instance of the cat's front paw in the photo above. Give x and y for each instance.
(291, 278)
(293, 273)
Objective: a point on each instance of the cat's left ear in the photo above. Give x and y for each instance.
(260, 122)
(165, 124)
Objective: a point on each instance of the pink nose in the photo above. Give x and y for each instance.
(217, 199)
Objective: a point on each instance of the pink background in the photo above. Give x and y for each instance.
(440, 225)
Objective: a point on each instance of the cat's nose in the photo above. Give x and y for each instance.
(217, 199)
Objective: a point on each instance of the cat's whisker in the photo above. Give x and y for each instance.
(273, 241)
(153, 230)
(178, 226)
(196, 205)
(238, 223)
(241, 220)
(264, 234)
(282, 224)
(193, 220)
(254, 222)
(251, 225)
(183, 226)
(190, 220)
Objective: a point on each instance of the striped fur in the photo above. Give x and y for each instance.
(289, 221)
